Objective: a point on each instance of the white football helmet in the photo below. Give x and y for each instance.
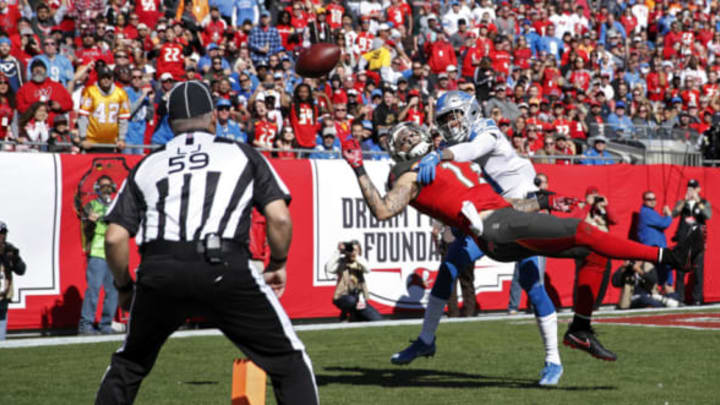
(456, 107)
(422, 147)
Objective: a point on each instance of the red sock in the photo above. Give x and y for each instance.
(611, 246)
(589, 279)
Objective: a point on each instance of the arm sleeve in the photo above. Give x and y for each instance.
(707, 211)
(658, 221)
(122, 129)
(82, 124)
(127, 208)
(480, 146)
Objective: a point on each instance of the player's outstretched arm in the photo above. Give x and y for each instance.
(395, 201)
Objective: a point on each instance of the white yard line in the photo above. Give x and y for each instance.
(68, 340)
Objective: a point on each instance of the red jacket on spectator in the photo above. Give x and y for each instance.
(522, 57)
(47, 91)
(6, 117)
(471, 61)
(440, 56)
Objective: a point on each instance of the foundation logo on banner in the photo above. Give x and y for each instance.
(401, 253)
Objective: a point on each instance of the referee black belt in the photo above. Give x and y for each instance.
(161, 247)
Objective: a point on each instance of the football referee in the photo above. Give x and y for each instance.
(189, 204)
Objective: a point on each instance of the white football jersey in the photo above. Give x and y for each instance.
(507, 172)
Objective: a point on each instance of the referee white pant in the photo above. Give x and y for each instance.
(174, 283)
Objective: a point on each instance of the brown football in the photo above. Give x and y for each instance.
(317, 60)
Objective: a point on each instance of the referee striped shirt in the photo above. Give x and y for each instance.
(196, 184)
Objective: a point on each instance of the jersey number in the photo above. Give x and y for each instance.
(195, 161)
(106, 115)
(172, 55)
(461, 177)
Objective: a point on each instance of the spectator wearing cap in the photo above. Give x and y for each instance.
(693, 210)
(264, 40)
(508, 108)
(563, 147)
(59, 66)
(597, 151)
(104, 113)
(329, 147)
(11, 66)
(226, 127)
(619, 122)
(43, 89)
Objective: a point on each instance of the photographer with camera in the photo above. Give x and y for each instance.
(351, 292)
(638, 281)
(10, 262)
(693, 210)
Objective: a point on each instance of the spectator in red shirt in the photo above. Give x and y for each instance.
(304, 116)
(41, 88)
(441, 54)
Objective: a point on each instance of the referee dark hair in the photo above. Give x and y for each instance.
(189, 204)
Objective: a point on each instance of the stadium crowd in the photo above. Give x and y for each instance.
(552, 74)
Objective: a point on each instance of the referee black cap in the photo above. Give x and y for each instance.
(189, 99)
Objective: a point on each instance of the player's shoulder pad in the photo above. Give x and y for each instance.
(401, 168)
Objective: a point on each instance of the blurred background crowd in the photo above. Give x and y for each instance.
(564, 80)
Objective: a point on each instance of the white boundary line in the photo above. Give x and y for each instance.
(68, 340)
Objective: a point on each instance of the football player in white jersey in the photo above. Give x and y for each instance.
(474, 138)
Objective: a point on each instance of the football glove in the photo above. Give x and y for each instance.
(352, 153)
(426, 168)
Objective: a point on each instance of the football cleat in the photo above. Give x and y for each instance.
(550, 374)
(586, 340)
(416, 349)
(682, 256)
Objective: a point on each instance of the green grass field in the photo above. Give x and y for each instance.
(492, 362)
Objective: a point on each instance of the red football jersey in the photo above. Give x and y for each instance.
(454, 183)
(171, 60)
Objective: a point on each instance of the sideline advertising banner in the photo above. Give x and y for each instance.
(43, 196)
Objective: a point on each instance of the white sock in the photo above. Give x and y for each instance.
(548, 332)
(433, 313)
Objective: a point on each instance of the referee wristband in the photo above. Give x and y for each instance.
(125, 288)
(278, 261)
(359, 171)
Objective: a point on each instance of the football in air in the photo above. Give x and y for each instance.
(317, 60)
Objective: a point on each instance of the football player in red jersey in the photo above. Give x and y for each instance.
(461, 198)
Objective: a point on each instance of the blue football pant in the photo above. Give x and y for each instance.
(463, 253)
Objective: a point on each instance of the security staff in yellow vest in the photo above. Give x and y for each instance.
(98, 273)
